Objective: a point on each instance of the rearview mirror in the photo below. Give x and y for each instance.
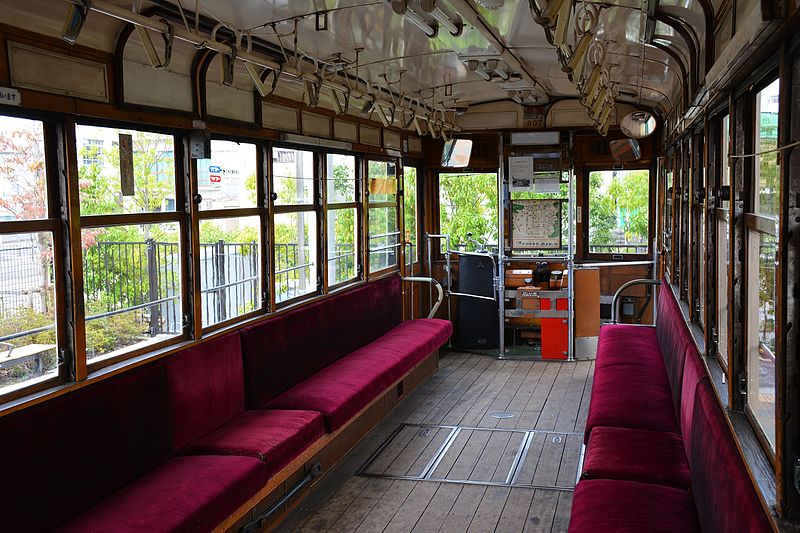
(456, 153)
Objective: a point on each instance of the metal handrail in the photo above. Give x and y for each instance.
(625, 286)
(433, 282)
(492, 298)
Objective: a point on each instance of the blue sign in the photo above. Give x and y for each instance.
(214, 168)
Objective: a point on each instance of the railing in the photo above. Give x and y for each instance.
(640, 249)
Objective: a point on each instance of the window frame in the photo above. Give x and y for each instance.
(753, 225)
(54, 134)
(179, 216)
(356, 204)
(721, 215)
(609, 257)
(262, 149)
(370, 275)
(316, 207)
(417, 165)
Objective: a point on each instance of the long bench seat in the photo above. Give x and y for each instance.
(187, 442)
(660, 455)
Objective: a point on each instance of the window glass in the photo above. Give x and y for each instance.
(341, 178)
(723, 260)
(468, 204)
(382, 181)
(384, 238)
(293, 176)
(132, 287)
(230, 268)
(762, 249)
(295, 255)
(724, 152)
(124, 171)
(342, 249)
(28, 346)
(228, 179)
(767, 198)
(23, 189)
(618, 211)
(410, 208)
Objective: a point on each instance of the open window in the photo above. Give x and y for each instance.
(619, 214)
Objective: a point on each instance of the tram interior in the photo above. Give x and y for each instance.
(399, 265)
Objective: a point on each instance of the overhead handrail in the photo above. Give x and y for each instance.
(625, 286)
(434, 283)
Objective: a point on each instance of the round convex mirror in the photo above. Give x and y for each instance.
(638, 124)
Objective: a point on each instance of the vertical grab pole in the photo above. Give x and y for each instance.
(500, 281)
(430, 270)
(449, 275)
(571, 252)
(410, 272)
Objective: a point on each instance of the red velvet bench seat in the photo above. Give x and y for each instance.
(659, 470)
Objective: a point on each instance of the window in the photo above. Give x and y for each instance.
(761, 266)
(410, 210)
(28, 305)
(468, 204)
(767, 175)
(723, 246)
(619, 212)
(230, 246)
(342, 218)
(383, 229)
(132, 259)
(295, 224)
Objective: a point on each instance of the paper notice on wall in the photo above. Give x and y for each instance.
(520, 174)
(547, 185)
(126, 165)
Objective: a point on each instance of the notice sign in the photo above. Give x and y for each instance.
(520, 174)
(9, 96)
(533, 116)
(126, 182)
(536, 224)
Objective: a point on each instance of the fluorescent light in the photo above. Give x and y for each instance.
(451, 23)
(420, 23)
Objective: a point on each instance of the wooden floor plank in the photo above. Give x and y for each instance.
(548, 396)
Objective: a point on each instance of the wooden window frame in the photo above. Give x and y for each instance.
(356, 204)
(178, 216)
(651, 221)
(258, 210)
(368, 205)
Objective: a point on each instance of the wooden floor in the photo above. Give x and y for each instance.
(465, 392)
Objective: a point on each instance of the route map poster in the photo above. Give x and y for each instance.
(536, 224)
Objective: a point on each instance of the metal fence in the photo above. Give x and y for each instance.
(229, 274)
(26, 277)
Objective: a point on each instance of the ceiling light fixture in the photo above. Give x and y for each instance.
(401, 7)
(450, 21)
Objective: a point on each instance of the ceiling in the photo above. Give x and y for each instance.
(396, 55)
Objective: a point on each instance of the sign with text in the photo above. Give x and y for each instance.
(9, 96)
(126, 180)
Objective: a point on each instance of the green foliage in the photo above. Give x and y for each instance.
(618, 207)
(468, 204)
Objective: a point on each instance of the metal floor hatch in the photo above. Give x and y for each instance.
(479, 456)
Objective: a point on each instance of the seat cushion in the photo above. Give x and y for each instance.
(206, 387)
(188, 494)
(600, 505)
(714, 455)
(673, 338)
(282, 351)
(631, 396)
(627, 344)
(637, 455)
(65, 455)
(275, 437)
(342, 389)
